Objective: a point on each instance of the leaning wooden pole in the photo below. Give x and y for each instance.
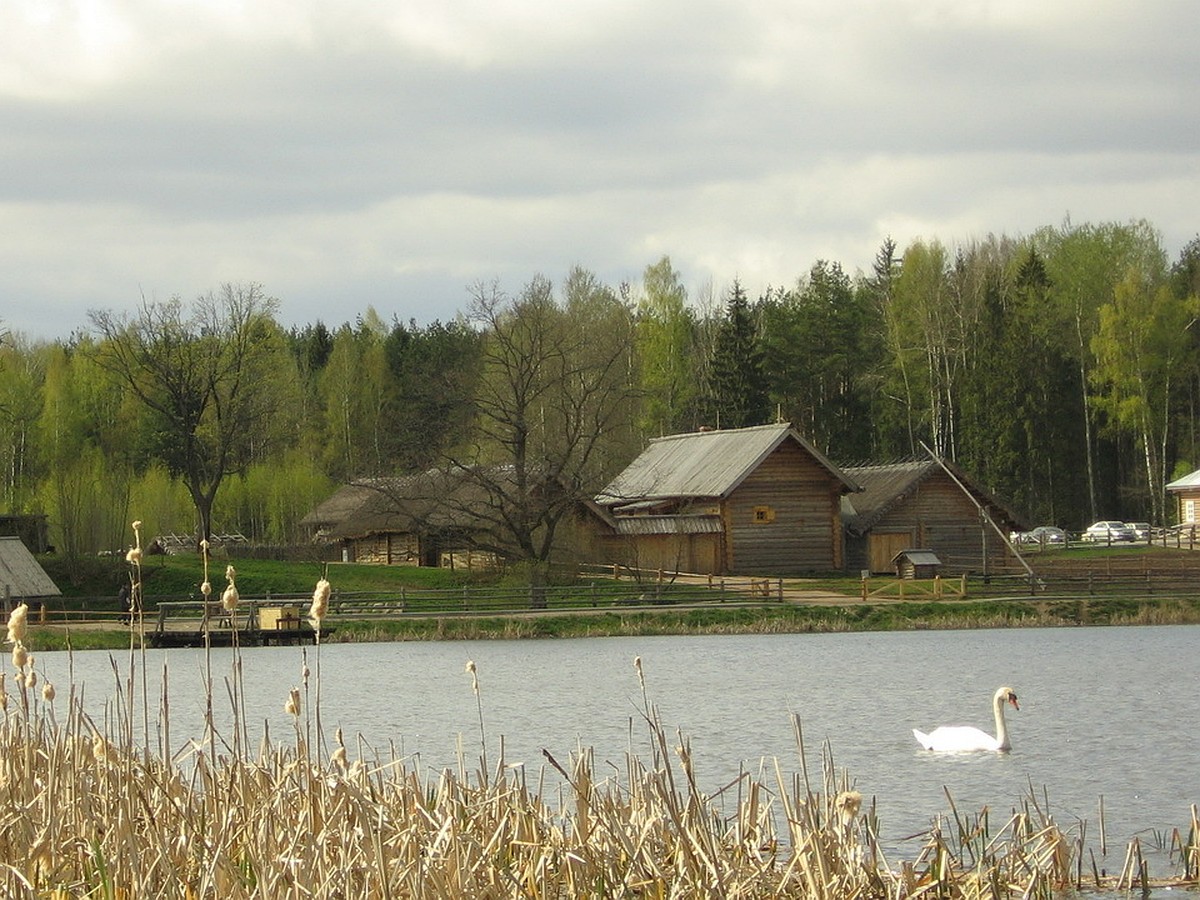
(982, 510)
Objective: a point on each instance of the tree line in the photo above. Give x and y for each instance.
(1061, 369)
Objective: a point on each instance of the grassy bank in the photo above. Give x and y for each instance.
(837, 609)
(766, 619)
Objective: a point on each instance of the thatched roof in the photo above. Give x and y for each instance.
(703, 464)
(21, 573)
(430, 501)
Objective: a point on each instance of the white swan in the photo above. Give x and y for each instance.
(961, 738)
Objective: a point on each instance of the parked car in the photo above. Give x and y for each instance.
(1109, 531)
(1043, 534)
(1141, 530)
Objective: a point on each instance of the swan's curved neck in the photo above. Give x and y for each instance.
(1001, 729)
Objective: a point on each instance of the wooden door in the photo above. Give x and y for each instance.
(883, 547)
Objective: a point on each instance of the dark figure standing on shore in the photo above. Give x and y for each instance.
(126, 600)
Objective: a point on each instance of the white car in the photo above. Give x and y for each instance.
(1109, 532)
(1043, 534)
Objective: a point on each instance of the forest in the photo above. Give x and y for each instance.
(1060, 369)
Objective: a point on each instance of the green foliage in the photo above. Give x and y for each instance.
(737, 385)
(666, 353)
(433, 375)
(824, 392)
(1062, 371)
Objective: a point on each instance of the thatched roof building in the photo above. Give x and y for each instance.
(21, 576)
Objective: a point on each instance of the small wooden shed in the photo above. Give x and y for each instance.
(917, 564)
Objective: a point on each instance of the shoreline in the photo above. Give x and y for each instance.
(775, 618)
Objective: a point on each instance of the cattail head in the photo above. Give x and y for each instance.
(18, 622)
(320, 604)
(134, 556)
(470, 670)
(31, 679)
(339, 758)
(20, 656)
(292, 705)
(637, 664)
(229, 598)
(48, 692)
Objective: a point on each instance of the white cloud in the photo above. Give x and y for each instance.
(393, 156)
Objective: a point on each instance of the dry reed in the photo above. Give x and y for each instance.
(87, 812)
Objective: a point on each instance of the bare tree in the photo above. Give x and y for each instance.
(205, 375)
(553, 413)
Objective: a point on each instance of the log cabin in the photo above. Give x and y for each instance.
(919, 504)
(759, 500)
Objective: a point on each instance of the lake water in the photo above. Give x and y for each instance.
(1104, 711)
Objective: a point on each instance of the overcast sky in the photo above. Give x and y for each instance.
(363, 153)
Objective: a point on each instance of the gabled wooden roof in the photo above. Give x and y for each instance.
(21, 573)
(705, 464)
(1187, 482)
(886, 485)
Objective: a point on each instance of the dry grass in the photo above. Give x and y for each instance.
(87, 810)
(84, 813)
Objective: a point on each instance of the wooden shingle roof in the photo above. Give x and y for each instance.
(704, 464)
(885, 485)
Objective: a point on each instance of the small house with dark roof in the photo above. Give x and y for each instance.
(453, 518)
(916, 563)
(426, 519)
(919, 504)
(758, 500)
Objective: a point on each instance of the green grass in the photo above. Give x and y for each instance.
(180, 576)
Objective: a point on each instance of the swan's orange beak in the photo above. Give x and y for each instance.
(1012, 698)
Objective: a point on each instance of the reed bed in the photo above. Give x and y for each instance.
(98, 809)
(85, 814)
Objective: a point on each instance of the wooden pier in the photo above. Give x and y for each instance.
(194, 623)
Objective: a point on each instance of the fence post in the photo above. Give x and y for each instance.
(962, 587)
(780, 590)
(864, 589)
